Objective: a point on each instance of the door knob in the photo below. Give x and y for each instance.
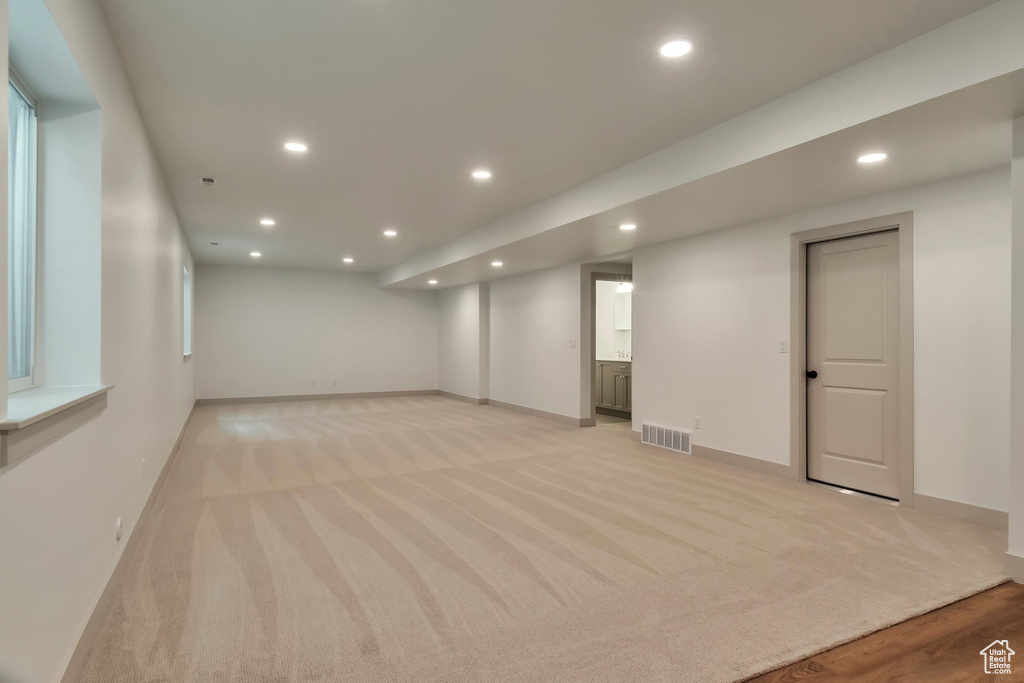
(812, 374)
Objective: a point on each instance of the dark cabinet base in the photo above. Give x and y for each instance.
(613, 385)
(614, 413)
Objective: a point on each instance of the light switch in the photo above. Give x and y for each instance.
(783, 346)
(572, 343)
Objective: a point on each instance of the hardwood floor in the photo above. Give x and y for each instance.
(943, 645)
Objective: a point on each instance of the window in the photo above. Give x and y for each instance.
(186, 298)
(21, 254)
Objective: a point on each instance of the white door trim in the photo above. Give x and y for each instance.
(904, 223)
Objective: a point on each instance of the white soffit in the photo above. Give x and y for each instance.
(957, 134)
(973, 50)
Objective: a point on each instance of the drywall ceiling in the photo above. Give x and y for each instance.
(964, 132)
(400, 99)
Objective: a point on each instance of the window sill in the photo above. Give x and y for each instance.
(27, 407)
(37, 416)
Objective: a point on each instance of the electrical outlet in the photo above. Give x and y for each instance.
(335, 382)
(529, 394)
(314, 383)
(696, 422)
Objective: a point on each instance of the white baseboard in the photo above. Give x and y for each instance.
(556, 417)
(965, 511)
(737, 460)
(76, 663)
(745, 461)
(1015, 567)
(463, 398)
(313, 397)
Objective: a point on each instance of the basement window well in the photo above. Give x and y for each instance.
(54, 239)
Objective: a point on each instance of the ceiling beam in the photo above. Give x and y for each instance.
(976, 48)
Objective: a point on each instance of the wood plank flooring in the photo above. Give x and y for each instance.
(943, 645)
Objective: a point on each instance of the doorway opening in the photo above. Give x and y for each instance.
(611, 346)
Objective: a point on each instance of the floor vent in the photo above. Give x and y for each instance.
(672, 439)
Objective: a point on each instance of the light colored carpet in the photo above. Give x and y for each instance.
(423, 539)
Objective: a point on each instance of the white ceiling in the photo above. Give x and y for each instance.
(400, 99)
(957, 134)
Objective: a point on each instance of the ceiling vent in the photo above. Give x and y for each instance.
(672, 439)
(207, 181)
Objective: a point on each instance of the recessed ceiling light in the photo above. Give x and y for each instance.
(391, 233)
(255, 254)
(627, 226)
(348, 259)
(481, 174)
(267, 221)
(497, 264)
(676, 48)
(431, 282)
(294, 146)
(872, 158)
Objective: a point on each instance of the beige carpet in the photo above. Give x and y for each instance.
(423, 539)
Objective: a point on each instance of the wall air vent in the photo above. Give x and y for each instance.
(672, 439)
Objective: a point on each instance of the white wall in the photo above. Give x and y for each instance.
(708, 312)
(69, 298)
(463, 340)
(273, 332)
(58, 506)
(533, 319)
(1016, 540)
(5, 61)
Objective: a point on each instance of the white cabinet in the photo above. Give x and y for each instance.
(624, 310)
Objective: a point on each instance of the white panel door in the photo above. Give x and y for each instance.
(853, 349)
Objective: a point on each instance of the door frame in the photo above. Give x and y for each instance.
(904, 224)
(591, 273)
